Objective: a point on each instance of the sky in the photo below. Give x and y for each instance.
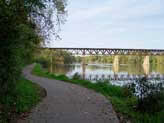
(113, 24)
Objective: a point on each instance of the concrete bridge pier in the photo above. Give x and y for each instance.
(83, 60)
(146, 65)
(83, 67)
(116, 64)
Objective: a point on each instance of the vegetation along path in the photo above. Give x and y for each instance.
(68, 103)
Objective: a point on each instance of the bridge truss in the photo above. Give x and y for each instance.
(109, 51)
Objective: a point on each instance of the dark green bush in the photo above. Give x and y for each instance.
(127, 92)
(45, 63)
(76, 76)
(150, 95)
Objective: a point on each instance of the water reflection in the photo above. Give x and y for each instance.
(63, 69)
(123, 72)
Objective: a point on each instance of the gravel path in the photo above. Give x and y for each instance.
(68, 103)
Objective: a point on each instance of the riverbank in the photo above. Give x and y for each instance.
(122, 104)
(29, 95)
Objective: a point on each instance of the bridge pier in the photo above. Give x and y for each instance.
(116, 64)
(146, 60)
(146, 65)
(83, 67)
(83, 60)
(116, 60)
(83, 71)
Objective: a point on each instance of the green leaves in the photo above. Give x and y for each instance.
(20, 34)
(150, 95)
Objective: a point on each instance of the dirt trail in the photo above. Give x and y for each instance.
(68, 103)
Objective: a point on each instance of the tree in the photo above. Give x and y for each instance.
(23, 24)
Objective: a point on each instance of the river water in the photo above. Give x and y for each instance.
(118, 74)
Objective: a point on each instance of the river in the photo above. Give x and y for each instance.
(120, 74)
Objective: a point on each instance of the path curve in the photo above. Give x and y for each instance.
(68, 103)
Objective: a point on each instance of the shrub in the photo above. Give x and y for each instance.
(150, 95)
(45, 63)
(127, 92)
(76, 76)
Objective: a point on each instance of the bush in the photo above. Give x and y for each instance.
(76, 76)
(45, 63)
(150, 95)
(127, 92)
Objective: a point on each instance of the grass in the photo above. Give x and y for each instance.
(28, 95)
(122, 103)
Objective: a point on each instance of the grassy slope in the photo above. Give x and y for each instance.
(28, 95)
(122, 104)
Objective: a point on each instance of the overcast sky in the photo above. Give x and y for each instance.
(113, 24)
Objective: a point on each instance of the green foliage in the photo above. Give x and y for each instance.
(129, 59)
(27, 96)
(156, 59)
(45, 57)
(78, 59)
(43, 61)
(127, 91)
(23, 24)
(99, 59)
(121, 98)
(110, 59)
(150, 96)
(76, 76)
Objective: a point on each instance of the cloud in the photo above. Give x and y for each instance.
(121, 9)
(114, 23)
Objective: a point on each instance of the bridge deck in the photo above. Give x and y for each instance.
(110, 51)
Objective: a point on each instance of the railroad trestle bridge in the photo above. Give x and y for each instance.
(116, 52)
(111, 51)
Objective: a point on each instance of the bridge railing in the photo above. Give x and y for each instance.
(110, 51)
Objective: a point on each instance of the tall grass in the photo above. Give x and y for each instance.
(28, 95)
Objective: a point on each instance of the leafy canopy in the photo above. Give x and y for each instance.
(24, 25)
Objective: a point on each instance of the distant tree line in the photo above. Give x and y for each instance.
(47, 57)
(123, 59)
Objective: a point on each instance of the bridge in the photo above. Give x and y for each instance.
(110, 51)
(115, 52)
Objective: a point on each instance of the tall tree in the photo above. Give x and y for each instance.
(24, 25)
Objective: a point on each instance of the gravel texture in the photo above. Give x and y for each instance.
(68, 103)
